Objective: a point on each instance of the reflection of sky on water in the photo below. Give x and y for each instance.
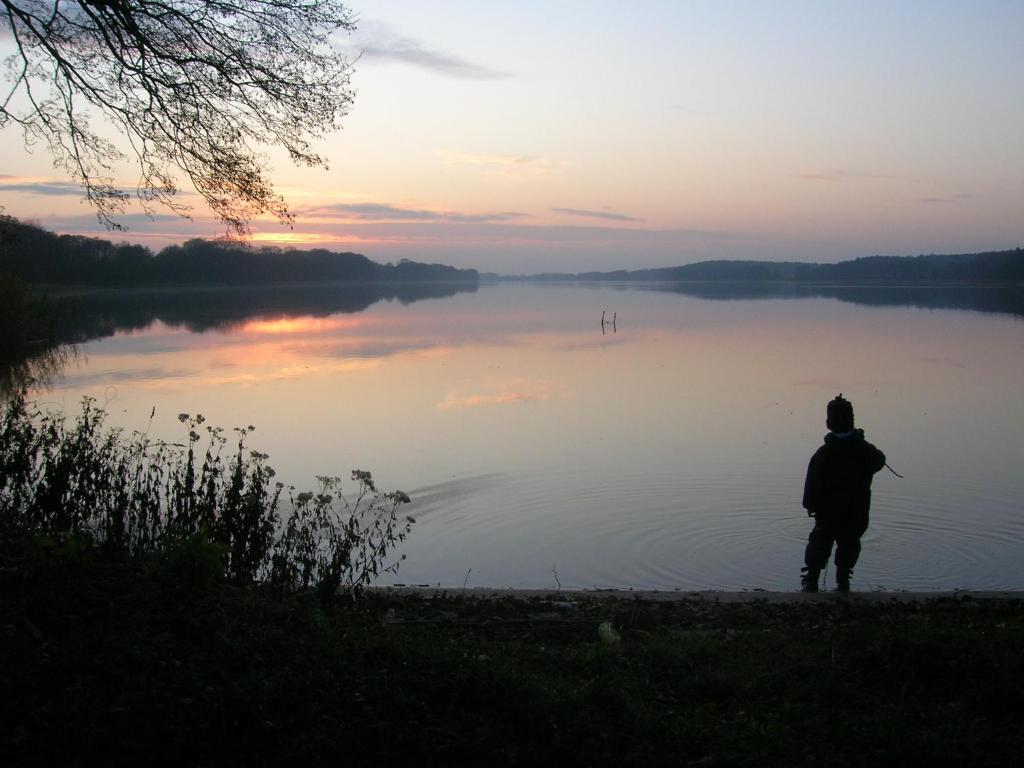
(691, 426)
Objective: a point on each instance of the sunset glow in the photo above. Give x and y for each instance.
(296, 238)
(651, 135)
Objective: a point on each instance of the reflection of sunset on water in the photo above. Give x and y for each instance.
(506, 393)
(295, 325)
(649, 436)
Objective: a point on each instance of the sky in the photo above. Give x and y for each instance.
(587, 135)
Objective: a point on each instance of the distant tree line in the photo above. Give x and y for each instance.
(38, 256)
(990, 266)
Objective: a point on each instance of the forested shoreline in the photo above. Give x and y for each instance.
(40, 257)
(988, 266)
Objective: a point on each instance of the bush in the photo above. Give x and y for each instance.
(127, 494)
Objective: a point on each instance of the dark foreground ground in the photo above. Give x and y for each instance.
(158, 662)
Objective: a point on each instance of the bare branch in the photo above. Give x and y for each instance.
(197, 86)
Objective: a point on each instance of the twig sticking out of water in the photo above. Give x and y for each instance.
(611, 322)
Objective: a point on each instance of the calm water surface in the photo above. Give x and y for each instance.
(666, 452)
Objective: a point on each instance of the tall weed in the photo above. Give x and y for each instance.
(128, 494)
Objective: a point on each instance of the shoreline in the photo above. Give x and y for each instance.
(161, 657)
(697, 596)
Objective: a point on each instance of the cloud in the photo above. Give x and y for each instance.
(488, 233)
(840, 175)
(39, 187)
(327, 227)
(520, 233)
(379, 212)
(471, 218)
(377, 41)
(42, 185)
(388, 212)
(521, 166)
(956, 199)
(606, 215)
(185, 227)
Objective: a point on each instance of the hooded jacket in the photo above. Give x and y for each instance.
(838, 484)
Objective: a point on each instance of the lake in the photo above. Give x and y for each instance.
(541, 448)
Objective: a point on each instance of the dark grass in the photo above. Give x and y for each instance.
(158, 660)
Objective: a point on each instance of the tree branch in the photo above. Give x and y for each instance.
(194, 85)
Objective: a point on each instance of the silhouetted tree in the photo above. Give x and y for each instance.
(194, 85)
(37, 256)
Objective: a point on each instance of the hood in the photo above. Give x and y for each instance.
(853, 436)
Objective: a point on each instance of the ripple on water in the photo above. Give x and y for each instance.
(949, 532)
(690, 530)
